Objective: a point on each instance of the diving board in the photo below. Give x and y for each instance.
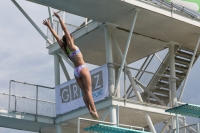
(102, 128)
(186, 109)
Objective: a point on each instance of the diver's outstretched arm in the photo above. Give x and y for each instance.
(46, 22)
(69, 39)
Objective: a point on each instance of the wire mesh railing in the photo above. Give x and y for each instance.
(30, 98)
(177, 7)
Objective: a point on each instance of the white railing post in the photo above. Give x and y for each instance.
(9, 95)
(36, 112)
(78, 127)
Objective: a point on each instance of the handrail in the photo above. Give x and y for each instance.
(32, 84)
(144, 71)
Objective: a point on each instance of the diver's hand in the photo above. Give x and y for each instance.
(46, 22)
(56, 15)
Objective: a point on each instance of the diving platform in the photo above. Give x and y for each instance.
(155, 27)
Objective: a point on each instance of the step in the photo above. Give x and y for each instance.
(161, 97)
(162, 91)
(162, 84)
(182, 61)
(178, 74)
(154, 102)
(181, 68)
(184, 54)
(167, 79)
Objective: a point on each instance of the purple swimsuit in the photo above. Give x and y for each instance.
(78, 69)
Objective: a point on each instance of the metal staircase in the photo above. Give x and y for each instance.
(159, 84)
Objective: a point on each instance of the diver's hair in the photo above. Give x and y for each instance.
(65, 46)
(64, 38)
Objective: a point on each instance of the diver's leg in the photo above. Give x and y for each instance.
(80, 84)
(86, 79)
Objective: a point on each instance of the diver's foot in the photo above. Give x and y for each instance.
(94, 115)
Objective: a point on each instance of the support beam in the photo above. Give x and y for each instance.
(105, 114)
(166, 126)
(172, 79)
(148, 119)
(51, 21)
(56, 70)
(64, 69)
(113, 113)
(111, 76)
(150, 122)
(150, 93)
(109, 58)
(127, 70)
(172, 73)
(58, 128)
(189, 69)
(126, 48)
(31, 21)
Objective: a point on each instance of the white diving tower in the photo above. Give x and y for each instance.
(117, 33)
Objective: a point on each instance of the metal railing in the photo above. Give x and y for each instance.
(31, 98)
(177, 7)
(186, 129)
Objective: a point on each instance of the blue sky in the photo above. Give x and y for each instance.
(24, 57)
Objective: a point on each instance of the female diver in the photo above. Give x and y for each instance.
(81, 72)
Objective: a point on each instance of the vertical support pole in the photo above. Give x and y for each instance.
(125, 82)
(9, 95)
(172, 78)
(172, 74)
(189, 69)
(184, 124)
(36, 111)
(109, 58)
(111, 76)
(126, 48)
(31, 21)
(78, 127)
(113, 114)
(117, 114)
(198, 131)
(58, 128)
(177, 124)
(50, 16)
(57, 82)
(56, 70)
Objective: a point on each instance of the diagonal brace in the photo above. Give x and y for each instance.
(150, 93)
(31, 21)
(126, 49)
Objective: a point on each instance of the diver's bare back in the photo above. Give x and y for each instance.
(77, 59)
